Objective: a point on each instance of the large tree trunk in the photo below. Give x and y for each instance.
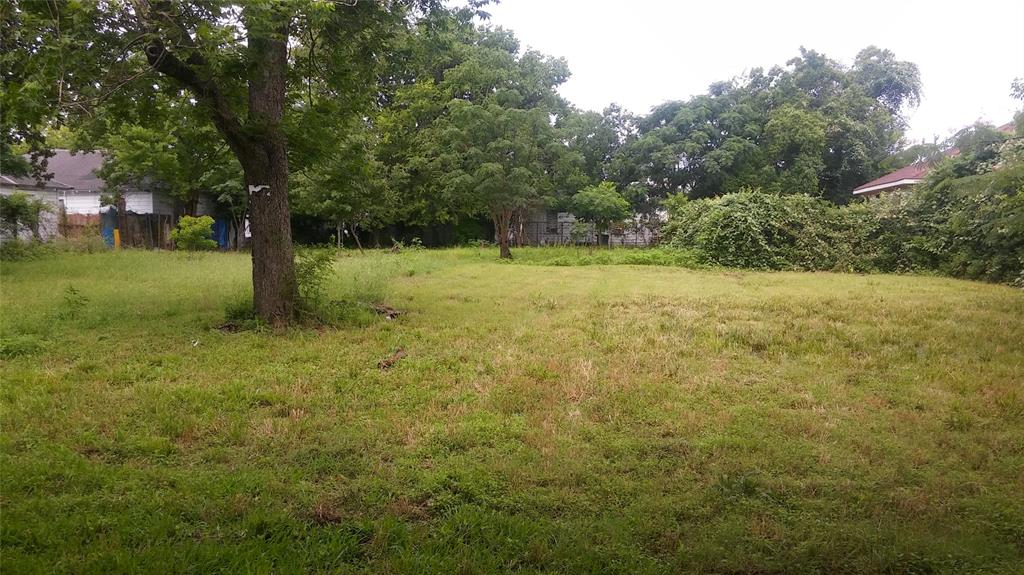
(264, 160)
(258, 143)
(273, 265)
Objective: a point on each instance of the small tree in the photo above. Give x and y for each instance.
(600, 205)
(194, 234)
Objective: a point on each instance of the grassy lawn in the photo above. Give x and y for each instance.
(603, 419)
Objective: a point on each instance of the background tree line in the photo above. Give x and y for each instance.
(368, 114)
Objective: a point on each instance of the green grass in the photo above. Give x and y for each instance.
(602, 419)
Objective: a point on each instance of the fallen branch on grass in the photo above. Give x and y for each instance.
(391, 360)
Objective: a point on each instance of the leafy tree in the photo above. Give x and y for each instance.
(977, 146)
(794, 143)
(22, 99)
(233, 60)
(172, 147)
(597, 138)
(600, 205)
(478, 133)
(780, 129)
(501, 167)
(917, 153)
(348, 187)
(891, 82)
(1017, 93)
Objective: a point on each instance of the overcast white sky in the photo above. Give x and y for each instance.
(639, 53)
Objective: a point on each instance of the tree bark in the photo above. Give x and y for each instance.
(502, 225)
(273, 261)
(264, 160)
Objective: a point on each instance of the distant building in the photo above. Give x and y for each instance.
(74, 193)
(908, 176)
(554, 228)
(902, 179)
(85, 187)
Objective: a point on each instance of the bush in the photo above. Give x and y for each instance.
(962, 226)
(20, 211)
(72, 305)
(13, 250)
(194, 234)
(18, 345)
(313, 270)
(970, 227)
(757, 230)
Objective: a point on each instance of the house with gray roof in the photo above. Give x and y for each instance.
(75, 190)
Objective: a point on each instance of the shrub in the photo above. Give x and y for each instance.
(600, 205)
(971, 227)
(18, 345)
(14, 249)
(194, 234)
(753, 229)
(313, 269)
(963, 226)
(21, 211)
(71, 305)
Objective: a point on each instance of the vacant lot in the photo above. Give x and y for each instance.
(605, 419)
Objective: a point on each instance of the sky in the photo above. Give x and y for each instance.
(639, 53)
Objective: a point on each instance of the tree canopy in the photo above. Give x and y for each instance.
(601, 205)
(813, 126)
(365, 114)
(256, 72)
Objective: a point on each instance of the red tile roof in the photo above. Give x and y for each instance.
(913, 172)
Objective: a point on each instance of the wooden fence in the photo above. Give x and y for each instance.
(137, 230)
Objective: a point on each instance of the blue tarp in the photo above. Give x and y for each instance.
(108, 221)
(220, 232)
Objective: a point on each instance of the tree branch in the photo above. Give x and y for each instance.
(187, 72)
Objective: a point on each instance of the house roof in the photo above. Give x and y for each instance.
(904, 176)
(21, 182)
(77, 171)
(914, 173)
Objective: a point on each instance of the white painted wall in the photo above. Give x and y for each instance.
(89, 202)
(81, 202)
(139, 202)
